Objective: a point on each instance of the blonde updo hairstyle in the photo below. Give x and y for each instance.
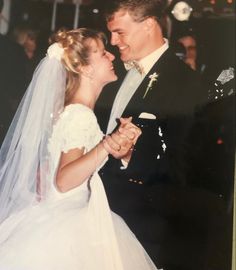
(77, 49)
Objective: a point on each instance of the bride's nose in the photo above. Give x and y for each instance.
(110, 56)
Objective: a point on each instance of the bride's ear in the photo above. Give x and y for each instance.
(87, 71)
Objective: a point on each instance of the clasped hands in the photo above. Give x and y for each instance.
(120, 143)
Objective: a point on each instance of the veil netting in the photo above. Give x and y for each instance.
(24, 155)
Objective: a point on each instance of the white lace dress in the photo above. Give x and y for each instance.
(74, 230)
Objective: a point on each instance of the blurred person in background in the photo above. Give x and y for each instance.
(187, 48)
(190, 45)
(13, 78)
(27, 37)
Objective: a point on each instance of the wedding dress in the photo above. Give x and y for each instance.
(75, 230)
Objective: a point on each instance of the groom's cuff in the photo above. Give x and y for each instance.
(124, 164)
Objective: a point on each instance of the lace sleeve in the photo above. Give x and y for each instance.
(76, 128)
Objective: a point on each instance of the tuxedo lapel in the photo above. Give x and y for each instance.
(137, 102)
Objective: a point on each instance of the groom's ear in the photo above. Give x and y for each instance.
(149, 24)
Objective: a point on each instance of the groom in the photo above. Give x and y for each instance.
(162, 94)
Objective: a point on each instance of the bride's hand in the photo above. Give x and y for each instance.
(120, 143)
(129, 129)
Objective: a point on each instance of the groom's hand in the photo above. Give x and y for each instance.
(129, 129)
(136, 132)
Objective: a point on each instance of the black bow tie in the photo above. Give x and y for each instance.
(134, 64)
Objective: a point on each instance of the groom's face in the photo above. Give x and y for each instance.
(128, 35)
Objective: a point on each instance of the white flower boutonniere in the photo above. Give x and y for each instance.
(153, 78)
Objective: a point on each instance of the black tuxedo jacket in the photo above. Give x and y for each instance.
(163, 152)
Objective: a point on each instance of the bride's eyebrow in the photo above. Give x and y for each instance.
(100, 50)
(94, 50)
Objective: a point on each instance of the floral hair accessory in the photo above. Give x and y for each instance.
(153, 78)
(55, 51)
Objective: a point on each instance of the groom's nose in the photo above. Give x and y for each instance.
(114, 39)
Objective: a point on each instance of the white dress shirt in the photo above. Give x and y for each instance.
(131, 83)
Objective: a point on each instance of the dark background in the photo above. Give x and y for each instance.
(213, 23)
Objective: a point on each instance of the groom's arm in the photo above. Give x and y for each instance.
(148, 157)
(146, 154)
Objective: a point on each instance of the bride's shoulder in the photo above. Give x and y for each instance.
(76, 113)
(77, 107)
(76, 125)
(77, 110)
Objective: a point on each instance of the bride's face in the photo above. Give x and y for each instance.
(101, 63)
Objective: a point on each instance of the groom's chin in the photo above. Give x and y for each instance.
(115, 77)
(124, 59)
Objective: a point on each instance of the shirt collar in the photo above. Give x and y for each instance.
(147, 62)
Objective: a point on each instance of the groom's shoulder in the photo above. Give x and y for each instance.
(179, 71)
(169, 61)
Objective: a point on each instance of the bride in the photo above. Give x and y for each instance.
(54, 212)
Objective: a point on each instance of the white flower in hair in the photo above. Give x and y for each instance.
(55, 51)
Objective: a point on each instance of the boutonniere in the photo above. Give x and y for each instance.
(153, 78)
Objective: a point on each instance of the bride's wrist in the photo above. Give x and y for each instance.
(102, 146)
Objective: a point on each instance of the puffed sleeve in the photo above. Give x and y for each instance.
(77, 128)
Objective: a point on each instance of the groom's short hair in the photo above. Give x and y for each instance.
(139, 10)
